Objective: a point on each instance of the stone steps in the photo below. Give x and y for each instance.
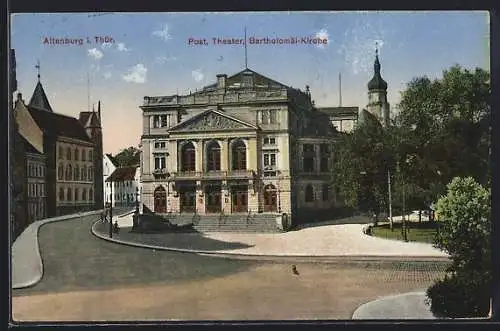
(228, 223)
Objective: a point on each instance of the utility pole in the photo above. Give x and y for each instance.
(390, 198)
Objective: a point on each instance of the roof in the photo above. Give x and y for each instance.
(339, 111)
(39, 99)
(112, 159)
(29, 148)
(259, 80)
(377, 82)
(122, 174)
(58, 125)
(320, 125)
(89, 119)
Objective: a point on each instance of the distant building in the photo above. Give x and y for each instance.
(73, 169)
(36, 185)
(125, 186)
(344, 119)
(246, 144)
(109, 166)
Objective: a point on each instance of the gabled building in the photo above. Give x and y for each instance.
(109, 165)
(36, 182)
(246, 144)
(73, 170)
(125, 186)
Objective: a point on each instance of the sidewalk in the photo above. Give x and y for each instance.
(321, 241)
(26, 262)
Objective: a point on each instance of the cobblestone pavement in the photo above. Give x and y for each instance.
(88, 279)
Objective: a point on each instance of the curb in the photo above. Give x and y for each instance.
(35, 228)
(240, 256)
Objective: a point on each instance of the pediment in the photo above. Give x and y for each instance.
(212, 120)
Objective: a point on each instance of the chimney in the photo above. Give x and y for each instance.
(221, 81)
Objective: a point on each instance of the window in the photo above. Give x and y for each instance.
(156, 121)
(165, 120)
(309, 157)
(77, 196)
(69, 195)
(60, 172)
(309, 193)
(84, 154)
(213, 156)
(159, 162)
(76, 154)
(325, 192)
(160, 144)
(60, 153)
(239, 154)
(83, 173)
(68, 153)
(91, 158)
(269, 141)
(269, 160)
(270, 116)
(91, 195)
(90, 174)
(188, 157)
(84, 194)
(70, 172)
(61, 194)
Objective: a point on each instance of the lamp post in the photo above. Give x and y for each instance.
(279, 191)
(137, 200)
(111, 208)
(390, 198)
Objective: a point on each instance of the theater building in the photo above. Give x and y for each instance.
(246, 144)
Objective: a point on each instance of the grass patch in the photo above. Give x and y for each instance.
(418, 232)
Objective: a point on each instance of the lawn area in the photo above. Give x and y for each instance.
(419, 232)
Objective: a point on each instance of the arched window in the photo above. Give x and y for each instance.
(61, 153)
(76, 174)
(77, 196)
(309, 193)
(160, 200)
(83, 173)
(239, 155)
(68, 153)
(213, 156)
(77, 154)
(91, 195)
(84, 194)
(90, 177)
(270, 198)
(69, 195)
(91, 156)
(61, 194)
(60, 172)
(188, 157)
(83, 155)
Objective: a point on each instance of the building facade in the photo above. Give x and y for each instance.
(126, 191)
(344, 119)
(109, 165)
(73, 170)
(245, 144)
(36, 185)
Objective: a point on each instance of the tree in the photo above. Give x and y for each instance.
(360, 168)
(465, 234)
(128, 157)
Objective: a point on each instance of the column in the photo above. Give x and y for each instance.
(253, 157)
(224, 154)
(199, 155)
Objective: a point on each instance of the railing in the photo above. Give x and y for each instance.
(218, 174)
(214, 98)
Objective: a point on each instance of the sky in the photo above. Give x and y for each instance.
(149, 54)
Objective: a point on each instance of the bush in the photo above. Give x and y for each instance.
(460, 296)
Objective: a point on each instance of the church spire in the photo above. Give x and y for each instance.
(377, 82)
(39, 98)
(376, 65)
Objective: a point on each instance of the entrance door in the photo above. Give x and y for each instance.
(270, 198)
(213, 199)
(160, 196)
(187, 199)
(239, 199)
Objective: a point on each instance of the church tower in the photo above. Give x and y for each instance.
(91, 121)
(377, 95)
